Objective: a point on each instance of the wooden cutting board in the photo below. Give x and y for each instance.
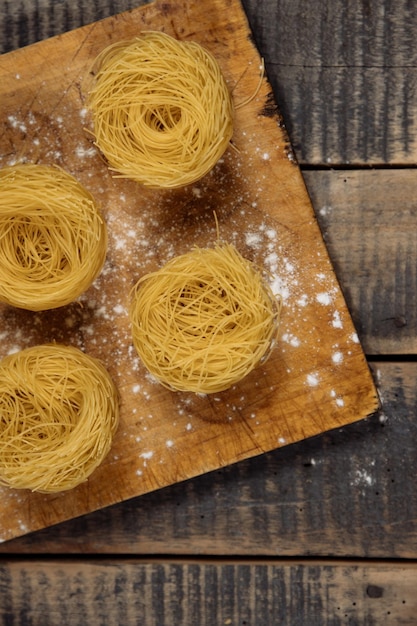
(317, 377)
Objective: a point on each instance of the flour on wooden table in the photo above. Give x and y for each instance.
(132, 251)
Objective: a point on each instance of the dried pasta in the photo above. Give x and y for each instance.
(58, 413)
(161, 108)
(53, 240)
(204, 320)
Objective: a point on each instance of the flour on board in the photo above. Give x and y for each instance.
(138, 243)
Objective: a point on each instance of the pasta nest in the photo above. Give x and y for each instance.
(204, 320)
(162, 111)
(53, 241)
(58, 413)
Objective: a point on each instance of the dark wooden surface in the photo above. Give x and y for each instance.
(318, 533)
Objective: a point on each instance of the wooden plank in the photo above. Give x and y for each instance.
(207, 593)
(317, 379)
(349, 493)
(369, 221)
(26, 22)
(344, 76)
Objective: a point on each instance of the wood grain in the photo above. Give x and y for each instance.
(26, 22)
(344, 494)
(341, 72)
(344, 77)
(318, 378)
(207, 593)
(368, 220)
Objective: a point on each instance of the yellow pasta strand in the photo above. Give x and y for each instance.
(58, 413)
(204, 321)
(53, 241)
(162, 111)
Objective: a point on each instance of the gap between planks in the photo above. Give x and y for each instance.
(218, 560)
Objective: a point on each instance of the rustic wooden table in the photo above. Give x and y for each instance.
(321, 532)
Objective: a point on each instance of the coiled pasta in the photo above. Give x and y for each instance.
(162, 111)
(203, 321)
(53, 240)
(59, 411)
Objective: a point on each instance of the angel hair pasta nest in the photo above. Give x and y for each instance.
(161, 108)
(205, 320)
(53, 241)
(58, 413)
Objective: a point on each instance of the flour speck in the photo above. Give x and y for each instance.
(324, 298)
(312, 380)
(337, 357)
(337, 321)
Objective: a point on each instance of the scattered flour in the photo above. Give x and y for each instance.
(337, 357)
(312, 380)
(133, 249)
(291, 339)
(253, 239)
(17, 124)
(337, 322)
(325, 210)
(362, 477)
(324, 298)
(83, 152)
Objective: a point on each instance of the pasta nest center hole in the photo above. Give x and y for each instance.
(35, 249)
(164, 118)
